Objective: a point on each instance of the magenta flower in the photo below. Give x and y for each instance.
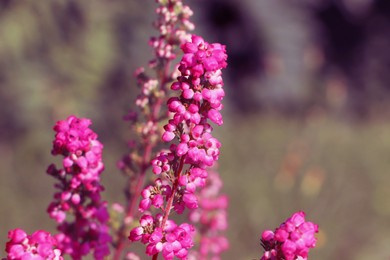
(79, 190)
(40, 245)
(200, 100)
(192, 150)
(172, 240)
(292, 240)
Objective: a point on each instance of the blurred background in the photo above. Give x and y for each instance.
(307, 113)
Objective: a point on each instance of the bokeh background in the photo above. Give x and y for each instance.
(306, 112)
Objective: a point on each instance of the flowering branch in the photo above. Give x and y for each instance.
(172, 24)
(184, 166)
(79, 190)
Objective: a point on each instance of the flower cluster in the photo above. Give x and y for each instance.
(79, 190)
(185, 164)
(173, 23)
(201, 89)
(172, 240)
(211, 219)
(292, 240)
(38, 246)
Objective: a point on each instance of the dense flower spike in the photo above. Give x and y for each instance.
(197, 149)
(199, 100)
(173, 25)
(79, 190)
(38, 246)
(292, 240)
(185, 165)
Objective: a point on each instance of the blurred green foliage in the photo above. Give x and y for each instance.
(66, 57)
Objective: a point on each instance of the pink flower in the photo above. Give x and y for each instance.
(190, 200)
(40, 245)
(79, 190)
(168, 136)
(215, 116)
(136, 234)
(192, 147)
(267, 235)
(172, 241)
(292, 240)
